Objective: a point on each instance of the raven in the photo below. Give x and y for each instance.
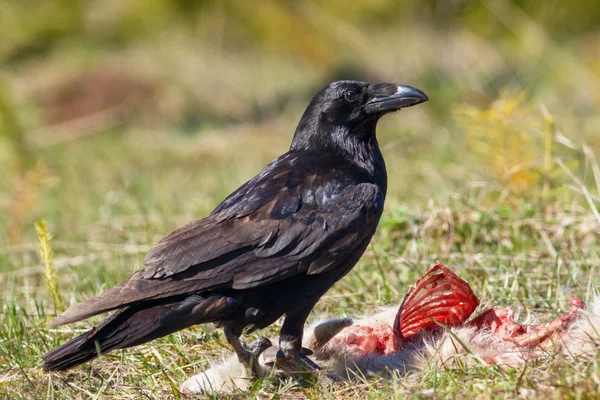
(272, 248)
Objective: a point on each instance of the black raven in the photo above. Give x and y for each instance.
(272, 248)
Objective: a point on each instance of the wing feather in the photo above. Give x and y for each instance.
(275, 226)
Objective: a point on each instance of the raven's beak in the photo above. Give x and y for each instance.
(404, 96)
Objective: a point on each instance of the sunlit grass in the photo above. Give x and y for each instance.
(513, 252)
(497, 176)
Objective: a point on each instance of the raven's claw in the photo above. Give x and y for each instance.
(257, 347)
(299, 366)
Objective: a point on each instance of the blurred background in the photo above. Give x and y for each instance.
(121, 120)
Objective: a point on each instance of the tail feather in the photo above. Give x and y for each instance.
(67, 356)
(133, 291)
(136, 325)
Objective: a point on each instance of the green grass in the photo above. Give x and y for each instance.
(497, 176)
(105, 213)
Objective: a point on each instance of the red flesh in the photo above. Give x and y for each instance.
(441, 297)
(438, 297)
(500, 322)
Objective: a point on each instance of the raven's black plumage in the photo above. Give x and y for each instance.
(273, 247)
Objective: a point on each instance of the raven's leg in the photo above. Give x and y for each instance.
(290, 342)
(248, 358)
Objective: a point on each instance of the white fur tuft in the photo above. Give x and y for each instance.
(226, 376)
(472, 345)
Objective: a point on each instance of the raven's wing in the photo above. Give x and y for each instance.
(288, 220)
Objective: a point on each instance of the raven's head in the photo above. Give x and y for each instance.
(347, 110)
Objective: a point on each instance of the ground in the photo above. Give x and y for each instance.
(512, 252)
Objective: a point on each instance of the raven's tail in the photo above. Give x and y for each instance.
(135, 325)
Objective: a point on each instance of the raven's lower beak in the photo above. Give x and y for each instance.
(405, 96)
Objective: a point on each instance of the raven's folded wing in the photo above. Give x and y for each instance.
(275, 226)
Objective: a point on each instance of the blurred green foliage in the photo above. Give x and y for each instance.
(31, 28)
(126, 70)
(523, 43)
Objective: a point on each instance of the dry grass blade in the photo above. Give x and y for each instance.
(583, 189)
(591, 156)
(46, 255)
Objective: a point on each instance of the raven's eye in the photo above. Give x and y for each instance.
(350, 96)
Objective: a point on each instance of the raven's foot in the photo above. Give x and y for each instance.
(297, 365)
(248, 357)
(257, 347)
(231, 377)
(300, 360)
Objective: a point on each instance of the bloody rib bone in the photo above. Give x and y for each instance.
(438, 296)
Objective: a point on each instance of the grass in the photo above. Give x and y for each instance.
(513, 250)
(497, 177)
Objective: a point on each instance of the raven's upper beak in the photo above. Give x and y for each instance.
(404, 96)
